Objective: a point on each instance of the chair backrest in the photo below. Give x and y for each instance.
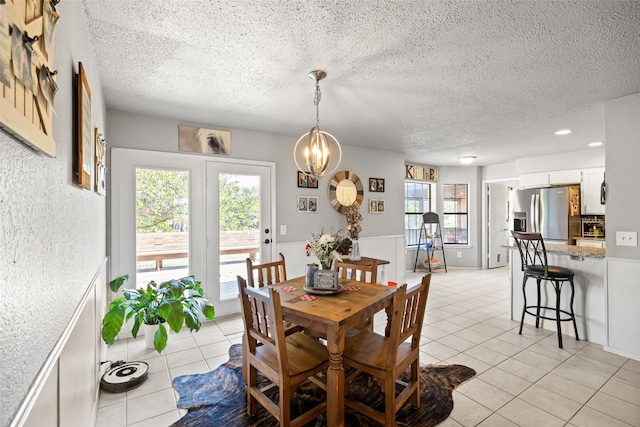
(361, 273)
(408, 315)
(531, 248)
(262, 315)
(265, 274)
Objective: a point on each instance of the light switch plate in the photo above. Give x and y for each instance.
(283, 230)
(627, 238)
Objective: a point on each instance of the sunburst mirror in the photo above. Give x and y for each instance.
(345, 189)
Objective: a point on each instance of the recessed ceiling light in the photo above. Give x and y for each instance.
(563, 132)
(595, 144)
(465, 160)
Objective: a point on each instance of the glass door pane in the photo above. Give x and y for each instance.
(162, 225)
(239, 229)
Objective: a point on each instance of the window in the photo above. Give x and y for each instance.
(417, 200)
(455, 213)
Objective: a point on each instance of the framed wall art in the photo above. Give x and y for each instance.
(100, 164)
(26, 112)
(307, 204)
(376, 205)
(203, 140)
(376, 185)
(306, 181)
(85, 130)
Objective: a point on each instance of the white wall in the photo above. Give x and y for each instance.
(622, 173)
(159, 134)
(583, 159)
(52, 231)
(623, 204)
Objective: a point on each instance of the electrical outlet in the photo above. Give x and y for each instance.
(627, 238)
(459, 254)
(283, 230)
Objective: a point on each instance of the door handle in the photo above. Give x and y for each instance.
(267, 241)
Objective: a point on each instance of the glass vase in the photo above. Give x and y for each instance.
(355, 250)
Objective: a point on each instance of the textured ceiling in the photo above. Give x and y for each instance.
(432, 79)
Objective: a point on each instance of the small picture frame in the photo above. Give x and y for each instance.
(306, 181)
(376, 185)
(376, 205)
(303, 204)
(307, 204)
(312, 204)
(100, 168)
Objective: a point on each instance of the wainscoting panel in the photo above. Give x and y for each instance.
(65, 392)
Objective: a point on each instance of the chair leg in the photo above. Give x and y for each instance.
(558, 289)
(252, 380)
(524, 307)
(573, 316)
(285, 406)
(538, 306)
(415, 378)
(389, 401)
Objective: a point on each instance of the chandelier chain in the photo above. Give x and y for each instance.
(316, 102)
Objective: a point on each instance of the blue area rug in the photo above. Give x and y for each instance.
(217, 398)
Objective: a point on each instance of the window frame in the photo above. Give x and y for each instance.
(462, 216)
(429, 208)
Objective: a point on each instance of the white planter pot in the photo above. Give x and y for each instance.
(149, 333)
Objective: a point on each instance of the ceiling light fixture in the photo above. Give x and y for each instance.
(313, 149)
(563, 132)
(465, 160)
(595, 144)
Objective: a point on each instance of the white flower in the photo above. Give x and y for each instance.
(325, 239)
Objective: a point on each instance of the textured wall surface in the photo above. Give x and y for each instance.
(52, 232)
(622, 172)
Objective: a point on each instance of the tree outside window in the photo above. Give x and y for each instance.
(455, 214)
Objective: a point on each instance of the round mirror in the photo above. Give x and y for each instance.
(346, 192)
(345, 189)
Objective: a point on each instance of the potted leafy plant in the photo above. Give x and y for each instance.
(175, 302)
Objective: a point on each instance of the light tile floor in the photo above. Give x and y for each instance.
(522, 380)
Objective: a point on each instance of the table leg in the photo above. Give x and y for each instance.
(335, 378)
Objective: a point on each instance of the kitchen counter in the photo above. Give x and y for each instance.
(572, 250)
(585, 251)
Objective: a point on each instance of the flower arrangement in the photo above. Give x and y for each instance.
(354, 219)
(327, 247)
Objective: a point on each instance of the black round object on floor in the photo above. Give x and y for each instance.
(123, 376)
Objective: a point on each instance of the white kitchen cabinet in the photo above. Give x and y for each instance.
(590, 191)
(533, 180)
(565, 177)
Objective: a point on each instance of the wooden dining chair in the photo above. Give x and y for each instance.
(360, 273)
(286, 361)
(386, 358)
(265, 274)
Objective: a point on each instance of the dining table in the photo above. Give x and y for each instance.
(332, 314)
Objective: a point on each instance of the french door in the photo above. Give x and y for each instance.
(239, 226)
(176, 214)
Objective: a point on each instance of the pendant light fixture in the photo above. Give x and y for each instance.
(312, 152)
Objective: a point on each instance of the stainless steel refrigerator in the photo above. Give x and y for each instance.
(553, 212)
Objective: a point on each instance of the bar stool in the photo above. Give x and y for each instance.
(534, 264)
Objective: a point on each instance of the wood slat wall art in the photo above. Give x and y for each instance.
(25, 111)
